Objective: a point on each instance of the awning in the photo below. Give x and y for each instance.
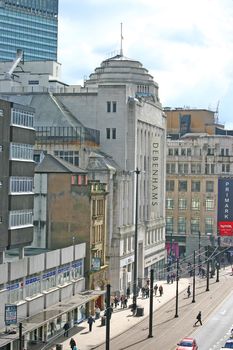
(49, 314)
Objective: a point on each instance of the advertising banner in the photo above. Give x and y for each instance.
(10, 314)
(225, 207)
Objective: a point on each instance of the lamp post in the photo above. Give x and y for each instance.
(194, 273)
(199, 249)
(137, 172)
(177, 286)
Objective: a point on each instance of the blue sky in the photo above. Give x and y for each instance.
(187, 45)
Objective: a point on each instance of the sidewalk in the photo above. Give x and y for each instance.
(121, 319)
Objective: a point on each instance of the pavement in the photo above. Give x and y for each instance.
(121, 320)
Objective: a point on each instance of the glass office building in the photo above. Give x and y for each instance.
(29, 25)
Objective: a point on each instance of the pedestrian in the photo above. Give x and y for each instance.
(168, 279)
(90, 321)
(72, 343)
(155, 289)
(125, 303)
(128, 292)
(198, 319)
(66, 329)
(160, 290)
(143, 292)
(122, 300)
(173, 276)
(147, 292)
(97, 312)
(116, 301)
(188, 291)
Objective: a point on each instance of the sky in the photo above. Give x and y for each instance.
(186, 45)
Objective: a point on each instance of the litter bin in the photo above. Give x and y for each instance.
(103, 320)
(140, 311)
(59, 346)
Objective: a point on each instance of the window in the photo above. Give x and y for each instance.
(0, 184)
(181, 225)
(183, 151)
(169, 225)
(225, 168)
(21, 151)
(1, 112)
(195, 204)
(209, 225)
(114, 107)
(77, 269)
(189, 152)
(183, 168)
(209, 186)
(196, 186)
(0, 148)
(210, 151)
(182, 186)
(169, 203)
(79, 180)
(182, 203)
(195, 224)
(195, 168)
(170, 185)
(63, 274)
(108, 106)
(22, 118)
(170, 151)
(49, 279)
(111, 106)
(15, 292)
(70, 156)
(108, 133)
(32, 285)
(209, 204)
(19, 218)
(176, 151)
(171, 167)
(21, 184)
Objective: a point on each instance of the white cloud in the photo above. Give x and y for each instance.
(186, 45)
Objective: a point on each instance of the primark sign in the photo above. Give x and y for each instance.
(225, 207)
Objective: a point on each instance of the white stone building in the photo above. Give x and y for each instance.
(120, 99)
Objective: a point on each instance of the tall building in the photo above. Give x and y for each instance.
(29, 25)
(197, 156)
(17, 138)
(121, 101)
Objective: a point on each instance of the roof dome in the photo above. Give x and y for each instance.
(120, 70)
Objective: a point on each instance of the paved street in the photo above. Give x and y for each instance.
(132, 332)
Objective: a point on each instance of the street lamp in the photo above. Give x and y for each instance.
(137, 172)
(199, 252)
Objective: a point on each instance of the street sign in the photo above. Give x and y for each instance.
(10, 314)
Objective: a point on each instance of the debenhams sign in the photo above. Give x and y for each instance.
(155, 161)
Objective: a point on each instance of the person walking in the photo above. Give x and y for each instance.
(66, 329)
(97, 312)
(128, 293)
(72, 343)
(188, 291)
(198, 319)
(160, 290)
(155, 289)
(90, 321)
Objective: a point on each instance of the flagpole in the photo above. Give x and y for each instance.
(121, 52)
